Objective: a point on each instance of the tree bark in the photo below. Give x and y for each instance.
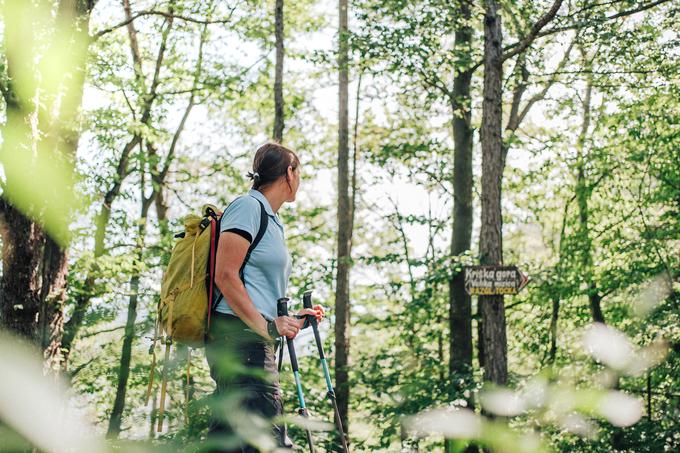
(33, 282)
(342, 301)
(583, 196)
(153, 415)
(490, 245)
(116, 417)
(32, 287)
(460, 305)
(480, 338)
(554, 317)
(460, 302)
(278, 79)
(555, 313)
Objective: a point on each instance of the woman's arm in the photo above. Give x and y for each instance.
(231, 251)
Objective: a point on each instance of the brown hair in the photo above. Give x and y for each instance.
(270, 163)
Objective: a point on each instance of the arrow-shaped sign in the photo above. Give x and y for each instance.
(523, 280)
(494, 280)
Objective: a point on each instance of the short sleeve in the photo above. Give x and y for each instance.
(244, 234)
(242, 214)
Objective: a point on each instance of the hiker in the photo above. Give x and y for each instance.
(252, 270)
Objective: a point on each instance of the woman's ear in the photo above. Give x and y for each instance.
(289, 176)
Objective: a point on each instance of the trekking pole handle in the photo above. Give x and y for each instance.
(282, 310)
(307, 303)
(282, 306)
(307, 299)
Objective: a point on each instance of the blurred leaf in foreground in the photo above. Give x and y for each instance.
(35, 406)
(45, 57)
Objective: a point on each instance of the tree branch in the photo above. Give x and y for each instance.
(192, 101)
(543, 93)
(510, 49)
(153, 89)
(518, 93)
(399, 226)
(98, 332)
(525, 42)
(167, 15)
(434, 81)
(585, 23)
(80, 368)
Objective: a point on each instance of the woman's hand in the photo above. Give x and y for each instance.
(287, 326)
(317, 311)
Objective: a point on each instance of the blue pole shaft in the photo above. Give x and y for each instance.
(282, 310)
(326, 374)
(298, 385)
(307, 303)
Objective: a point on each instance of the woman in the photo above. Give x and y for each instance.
(249, 282)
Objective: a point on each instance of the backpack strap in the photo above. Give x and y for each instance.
(214, 238)
(264, 222)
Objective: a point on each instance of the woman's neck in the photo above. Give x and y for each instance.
(274, 197)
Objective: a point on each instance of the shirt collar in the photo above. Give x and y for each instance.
(260, 196)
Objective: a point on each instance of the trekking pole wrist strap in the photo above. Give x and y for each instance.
(272, 330)
(306, 318)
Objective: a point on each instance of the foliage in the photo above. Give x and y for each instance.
(607, 194)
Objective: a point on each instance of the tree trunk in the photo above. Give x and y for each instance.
(158, 179)
(33, 282)
(583, 197)
(460, 305)
(162, 210)
(156, 197)
(342, 302)
(32, 287)
(124, 369)
(480, 337)
(153, 415)
(460, 302)
(490, 241)
(116, 417)
(553, 329)
(82, 301)
(554, 318)
(278, 79)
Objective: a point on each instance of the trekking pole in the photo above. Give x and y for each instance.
(280, 344)
(307, 303)
(282, 309)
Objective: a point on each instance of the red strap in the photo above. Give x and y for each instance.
(212, 258)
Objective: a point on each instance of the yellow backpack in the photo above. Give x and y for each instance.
(183, 306)
(187, 289)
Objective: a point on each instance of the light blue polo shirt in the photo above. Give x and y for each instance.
(267, 271)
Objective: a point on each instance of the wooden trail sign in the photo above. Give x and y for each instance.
(494, 280)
